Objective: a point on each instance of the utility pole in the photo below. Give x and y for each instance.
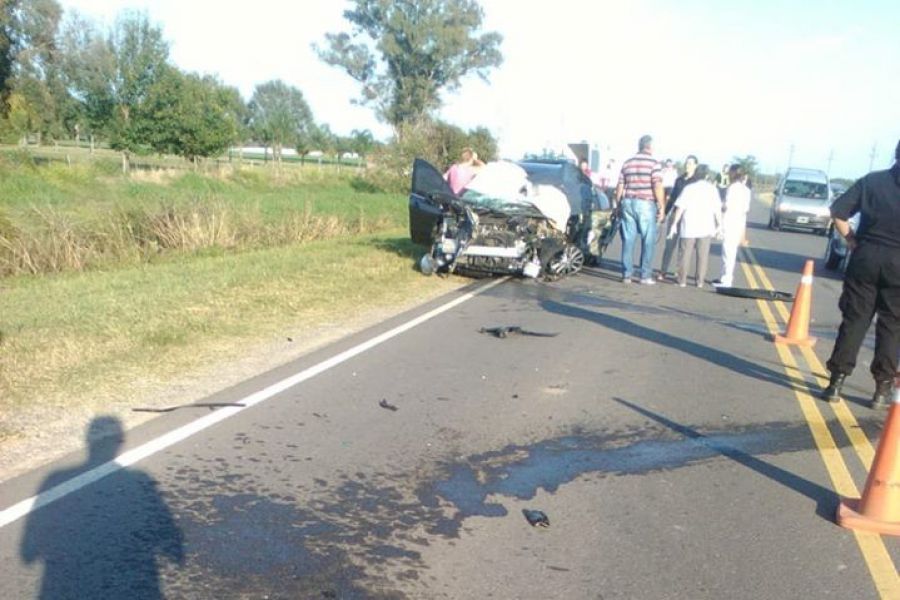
(830, 159)
(791, 157)
(872, 156)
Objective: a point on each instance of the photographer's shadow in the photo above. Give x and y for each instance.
(104, 540)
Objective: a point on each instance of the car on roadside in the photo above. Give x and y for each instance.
(802, 201)
(525, 218)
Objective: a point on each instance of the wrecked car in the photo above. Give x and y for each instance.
(537, 218)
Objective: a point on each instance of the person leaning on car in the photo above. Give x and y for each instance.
(460, 174)
(872, 281)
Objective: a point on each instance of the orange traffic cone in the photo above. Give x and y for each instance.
(879, 508)
(798, 325)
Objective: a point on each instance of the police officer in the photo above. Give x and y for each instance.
(872, 281)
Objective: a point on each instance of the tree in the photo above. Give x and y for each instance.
(749, 164)
(87, 65)
(8, 43)
(189, 115)
(322, 139)
(362, 142)
(279, 116)
(38, 66)
(483, 142)
(139, 59)
(405, 53)
(111, 77)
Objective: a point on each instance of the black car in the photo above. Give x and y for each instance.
(515, 234)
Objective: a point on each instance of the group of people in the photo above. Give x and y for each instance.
(688, 207)
(695, 208)
(699, 208)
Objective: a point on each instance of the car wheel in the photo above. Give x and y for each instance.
(832, 260)
(568, 262)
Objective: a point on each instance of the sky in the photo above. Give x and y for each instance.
(790, 82)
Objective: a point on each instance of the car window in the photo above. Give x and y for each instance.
(806, 189)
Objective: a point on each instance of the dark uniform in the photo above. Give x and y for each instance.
(872, 282)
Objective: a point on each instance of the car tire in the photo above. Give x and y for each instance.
(568, 262)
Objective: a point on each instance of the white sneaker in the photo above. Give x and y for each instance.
(648, 281)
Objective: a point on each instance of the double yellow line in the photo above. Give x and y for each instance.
(874, 551)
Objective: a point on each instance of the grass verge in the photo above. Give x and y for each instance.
(78, 340)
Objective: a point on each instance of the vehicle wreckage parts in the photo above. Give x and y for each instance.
(567, 262)
(488, 244)
(755, 294)
(503, 332)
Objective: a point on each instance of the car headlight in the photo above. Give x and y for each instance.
(784, 207)
(448, 246)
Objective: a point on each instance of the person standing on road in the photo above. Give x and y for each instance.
(669, 175)
(690, 167)
(699, 212)
(872, 281)
(722, 181)
(734, 222)
(639, 194)
(609, 176)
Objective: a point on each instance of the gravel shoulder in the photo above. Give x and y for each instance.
(46, 433)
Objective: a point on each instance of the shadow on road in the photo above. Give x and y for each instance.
(826, 500)
(723, 359)
(105, 540)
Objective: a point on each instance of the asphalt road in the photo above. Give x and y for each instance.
(675, 451)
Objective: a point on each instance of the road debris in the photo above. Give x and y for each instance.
(536, 518)
(755, 294)
(209, 405)
(385, 404)
(503, 332)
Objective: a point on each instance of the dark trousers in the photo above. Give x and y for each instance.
(871, 286)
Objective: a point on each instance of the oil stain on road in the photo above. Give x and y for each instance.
(357, 535)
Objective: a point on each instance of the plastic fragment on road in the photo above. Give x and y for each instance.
(754, 294)
(209, 405)
(536, 518)
(385, 404)
(506, 331)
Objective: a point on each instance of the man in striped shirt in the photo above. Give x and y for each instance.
(640, 197)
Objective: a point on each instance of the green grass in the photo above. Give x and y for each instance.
(56, 217)
(107, 280)
(69, 338)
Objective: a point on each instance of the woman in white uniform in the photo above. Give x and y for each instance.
(734, 222)
(698, 211)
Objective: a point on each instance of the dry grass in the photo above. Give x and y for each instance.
(57, 242)
(89, 342)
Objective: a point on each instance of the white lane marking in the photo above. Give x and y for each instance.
(20, 509)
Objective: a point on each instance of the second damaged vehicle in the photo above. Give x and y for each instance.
(533, 218)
